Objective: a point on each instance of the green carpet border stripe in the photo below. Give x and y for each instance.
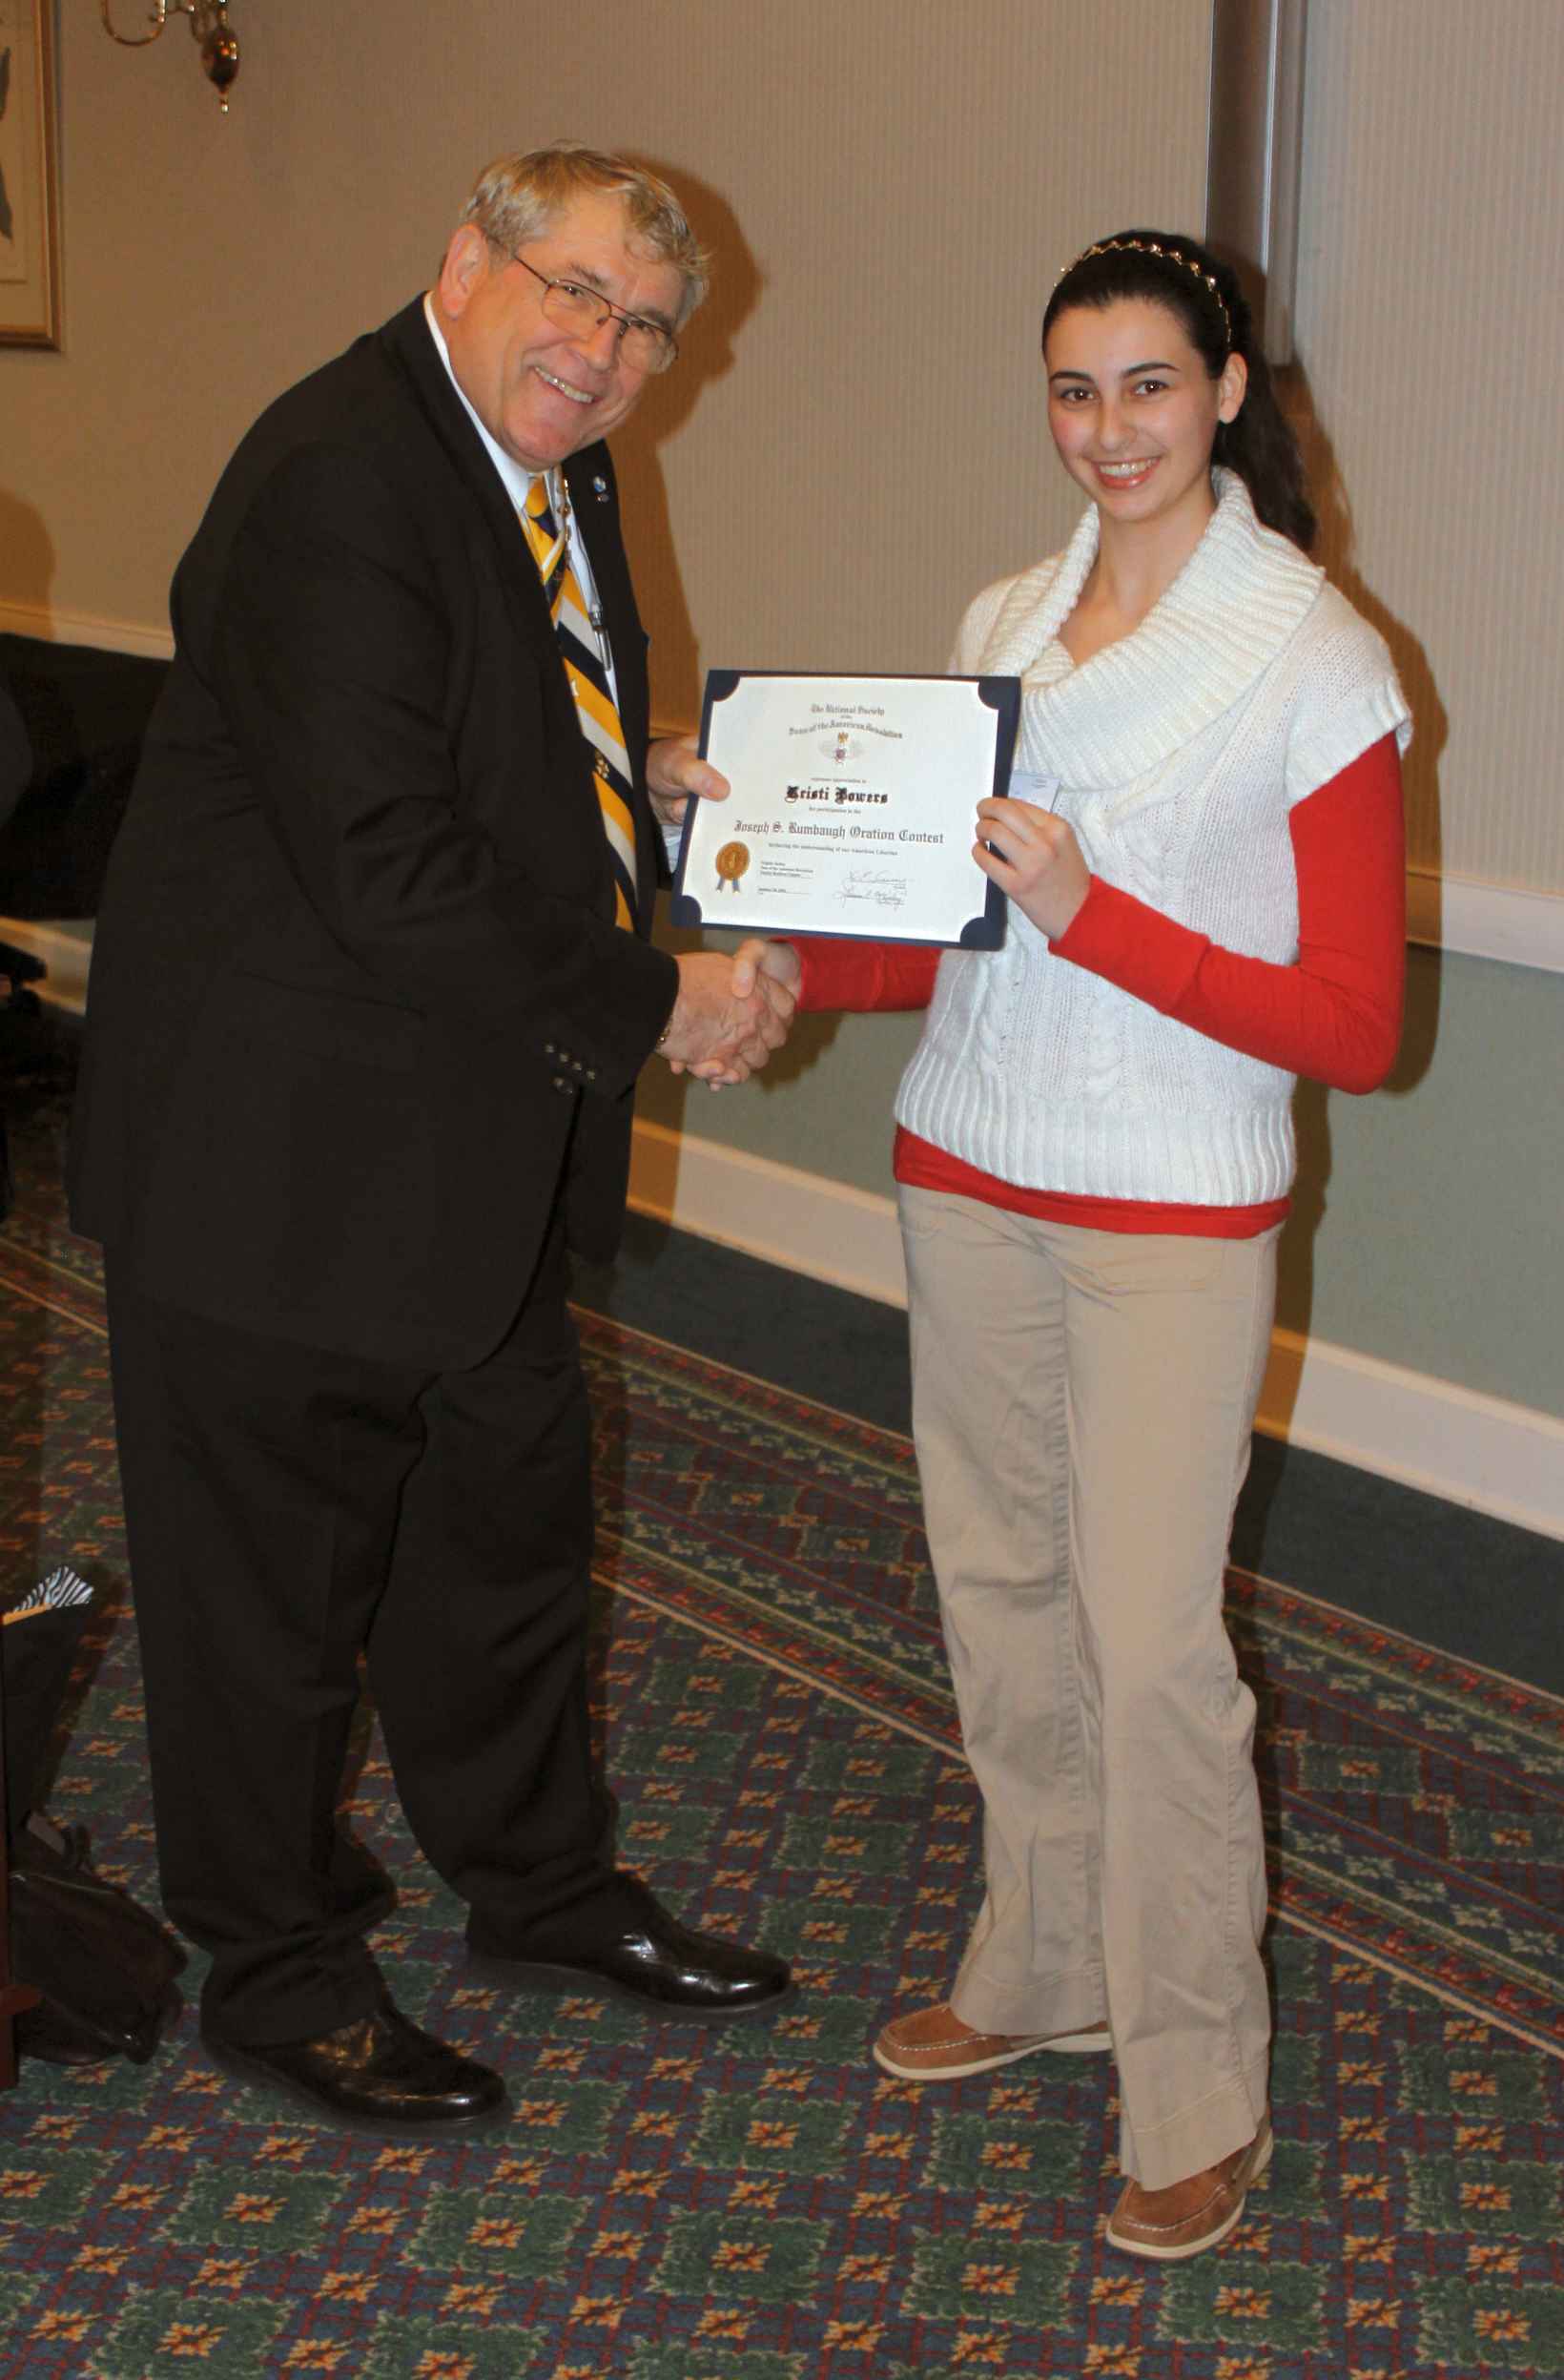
(1409, 1977)
(1398, 1636)
(942, 1745)
(1339, 1938)
(1504, 1704)
(1300, 1862)
(751, 1602)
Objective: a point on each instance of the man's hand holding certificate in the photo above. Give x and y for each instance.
(851, 807)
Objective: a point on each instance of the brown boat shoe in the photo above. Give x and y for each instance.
(932, 2045)
(1190, 2215)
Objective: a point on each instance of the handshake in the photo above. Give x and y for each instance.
(732, 1012)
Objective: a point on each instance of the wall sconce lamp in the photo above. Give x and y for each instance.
(209, 24)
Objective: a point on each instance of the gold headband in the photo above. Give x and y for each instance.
(1169, 255)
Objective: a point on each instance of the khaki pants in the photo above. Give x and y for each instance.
(1081, 1404)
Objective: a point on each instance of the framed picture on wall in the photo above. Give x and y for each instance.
(30, 199)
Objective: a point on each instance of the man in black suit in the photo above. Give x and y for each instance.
(361, 1042)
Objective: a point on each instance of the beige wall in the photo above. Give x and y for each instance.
(849, 447)
(857, 439)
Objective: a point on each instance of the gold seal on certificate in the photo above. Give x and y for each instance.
(853, 808)
(732, 862)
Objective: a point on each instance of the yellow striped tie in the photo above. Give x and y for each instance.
(595, 710)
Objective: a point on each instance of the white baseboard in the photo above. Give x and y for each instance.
(800, 1221)
(55, 627)
(66, 956)
(1486, 920)
(1497, 1458)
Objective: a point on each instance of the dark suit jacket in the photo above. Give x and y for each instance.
(360, 1018)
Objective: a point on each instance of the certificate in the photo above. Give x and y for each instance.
(852, 806)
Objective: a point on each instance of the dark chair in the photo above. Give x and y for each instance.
(14, 1998)
(84, 714)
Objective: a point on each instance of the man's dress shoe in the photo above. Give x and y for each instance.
(663, 1967)
(380, 2073)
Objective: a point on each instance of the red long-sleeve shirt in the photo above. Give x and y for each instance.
(1332, 1014)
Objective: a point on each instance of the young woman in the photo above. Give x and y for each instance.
(1203, 850)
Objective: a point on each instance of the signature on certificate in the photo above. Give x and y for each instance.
(874, 884)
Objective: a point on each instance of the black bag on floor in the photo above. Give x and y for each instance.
(103, 1965)
(39, 1640)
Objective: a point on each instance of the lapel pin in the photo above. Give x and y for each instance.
(599, 488)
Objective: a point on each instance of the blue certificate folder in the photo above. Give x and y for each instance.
(839, 782)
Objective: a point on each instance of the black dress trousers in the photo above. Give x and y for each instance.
(287, 1508)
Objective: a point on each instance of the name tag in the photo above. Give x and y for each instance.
(1040, 791)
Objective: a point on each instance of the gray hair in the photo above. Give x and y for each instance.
(518, 198)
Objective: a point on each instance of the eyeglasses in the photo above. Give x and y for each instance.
(645, 345)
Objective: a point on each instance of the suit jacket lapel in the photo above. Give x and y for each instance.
(407, 337)
(589, 477)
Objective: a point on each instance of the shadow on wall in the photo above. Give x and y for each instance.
(27, 555)
(706, 356)
(1335, 550)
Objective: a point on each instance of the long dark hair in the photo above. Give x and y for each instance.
(1204, 295)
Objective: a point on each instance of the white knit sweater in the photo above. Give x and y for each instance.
(1178, 752)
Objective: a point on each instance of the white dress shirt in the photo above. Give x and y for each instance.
(517, 481)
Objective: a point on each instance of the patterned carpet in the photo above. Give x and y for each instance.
(767, 2205)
